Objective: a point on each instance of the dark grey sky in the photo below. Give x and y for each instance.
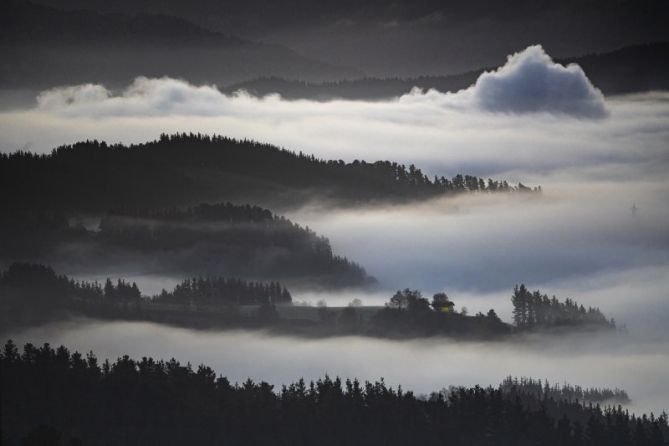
(411, 37)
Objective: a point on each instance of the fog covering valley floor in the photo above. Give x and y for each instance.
(597, 232)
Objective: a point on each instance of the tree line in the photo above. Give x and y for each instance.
(183, 169)
(234, 240)
(220, 290)
(31, 294)
(564, 391)
(533, 310)
(408, 313)
(55, 397)
(215, 239)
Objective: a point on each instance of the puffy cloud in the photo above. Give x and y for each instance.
(144, 97)
(531, 82)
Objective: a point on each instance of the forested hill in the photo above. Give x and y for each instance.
(221, 239)
(187, 169)
(46, 47)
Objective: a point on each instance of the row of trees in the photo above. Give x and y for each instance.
(219, 212)
(219, 290)
(215, 239)
(232, 240)
(413, 300)
(52, 396)
(39, 283)
(182, 169)
(535, 310)
(565, 391)
(32, 294)
(408, 313)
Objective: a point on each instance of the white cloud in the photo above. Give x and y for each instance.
(144, 97)
(531, 82)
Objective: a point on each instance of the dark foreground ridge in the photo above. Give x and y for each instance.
(187, 169)
(54, 397)
(35, 294)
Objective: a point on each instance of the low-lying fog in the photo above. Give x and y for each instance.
(598, 233)
(582, 242)
(421, 366)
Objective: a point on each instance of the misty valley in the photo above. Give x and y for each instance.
(334, 223)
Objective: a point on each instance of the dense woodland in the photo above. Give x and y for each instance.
(533, 310)
(186, 169)
(564, 391)
(32, 294)
(221, 291)
(55, 397)
(96, 206)
(221, 239)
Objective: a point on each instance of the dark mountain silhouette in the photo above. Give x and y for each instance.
(150, 187)
(44, 47)
(26, 22)
(632, 69)
(222, 239)
(409, 38)
(186, 169)
(52, 396)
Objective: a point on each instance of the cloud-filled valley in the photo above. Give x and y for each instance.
(335, 223)
(597, 233)
(532, 121)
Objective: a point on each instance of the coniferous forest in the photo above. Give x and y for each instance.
(219, 239)
(53, 396)
(187, 169)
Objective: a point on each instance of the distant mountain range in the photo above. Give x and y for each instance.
(411, 38)
(43, 47)
(627, 70)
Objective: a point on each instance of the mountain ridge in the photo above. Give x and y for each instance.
(629, 69)
(47, 47)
